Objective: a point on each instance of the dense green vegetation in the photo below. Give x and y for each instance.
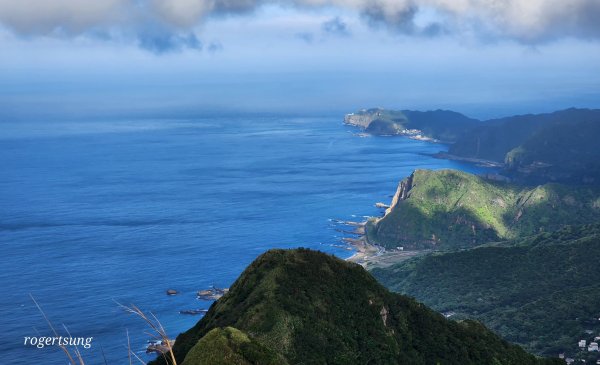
(493, 139)
(443, 125)
(559, 146)
(541, 292)
(313, 308)
(232, 347)
(450, 209)
(560, 152)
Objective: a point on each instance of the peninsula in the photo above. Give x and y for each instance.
(533, 148)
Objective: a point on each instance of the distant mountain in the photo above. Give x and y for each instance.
(441, 125)
(561, 146)
(450, 209)
(541, 292)
(493, 139)
(560, 152)
(306, 307)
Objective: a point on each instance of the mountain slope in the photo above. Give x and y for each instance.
(493, 139)
(448, 209)
(560, 152)
(535, 148)
(559, 146)
(313, 308)
(442, 125)
(541, 292)
(231, 346)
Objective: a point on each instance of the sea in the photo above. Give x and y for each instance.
(95, 214)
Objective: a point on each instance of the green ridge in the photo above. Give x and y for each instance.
(562, 152)
(449, 209)
(535, 148)
(559, 146)
(313, 308)
(541, 292)
(443, 125)
(230, 346)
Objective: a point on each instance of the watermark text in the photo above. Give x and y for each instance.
(42, 341)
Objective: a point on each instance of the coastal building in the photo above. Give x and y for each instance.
(582, 343)
(593, 346)
(569, 361)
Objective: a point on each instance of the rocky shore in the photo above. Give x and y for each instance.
(370, 255)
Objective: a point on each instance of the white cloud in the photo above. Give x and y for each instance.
(527, 21)
(69, 16)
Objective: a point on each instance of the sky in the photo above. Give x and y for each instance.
(485, 58)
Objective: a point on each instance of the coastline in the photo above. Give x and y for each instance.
(476, 161)
(370, 255)
(418, 135)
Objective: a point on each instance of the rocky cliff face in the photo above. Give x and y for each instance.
(401, 193)
(361, 120)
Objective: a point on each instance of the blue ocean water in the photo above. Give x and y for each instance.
(98, 212)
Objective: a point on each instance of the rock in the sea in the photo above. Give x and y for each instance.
(193, 311)
(213, 293)
(160, 347)
(172, 292)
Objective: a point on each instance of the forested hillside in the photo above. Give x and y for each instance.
(542, 292)
(311, 308)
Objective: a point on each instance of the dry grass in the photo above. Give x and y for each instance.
(74, 358)
(157, 331)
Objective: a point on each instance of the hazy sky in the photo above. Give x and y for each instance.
(189, 57)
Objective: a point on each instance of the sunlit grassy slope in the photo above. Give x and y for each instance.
(450, 209)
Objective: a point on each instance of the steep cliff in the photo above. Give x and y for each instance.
(361, 119)
(401, 193)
